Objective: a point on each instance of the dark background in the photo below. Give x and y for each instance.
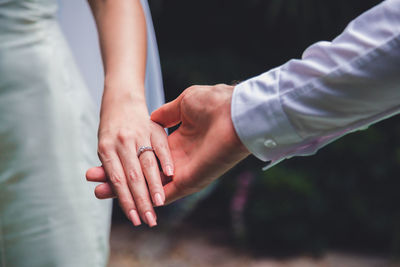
(345, 197)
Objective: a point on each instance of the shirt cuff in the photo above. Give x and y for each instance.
(259, 118)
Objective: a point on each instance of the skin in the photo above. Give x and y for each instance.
(204, 147)
(125, 123)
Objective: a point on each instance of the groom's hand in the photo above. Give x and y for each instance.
(204, 146)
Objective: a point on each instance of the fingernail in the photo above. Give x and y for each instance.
(134, 216)
(158, 199)
(151, 221)
(169, 170)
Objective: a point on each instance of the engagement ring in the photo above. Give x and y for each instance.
(143, 149)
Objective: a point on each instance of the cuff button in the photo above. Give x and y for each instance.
(269, 143)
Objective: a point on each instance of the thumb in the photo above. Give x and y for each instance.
(169, 114)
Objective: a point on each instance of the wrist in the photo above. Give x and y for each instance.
(237, 143)
(225, 98)
(127, 81)
(125, 98)
(124, 90)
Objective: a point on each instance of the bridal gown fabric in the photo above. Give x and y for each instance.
(48, 123)
(79, 28)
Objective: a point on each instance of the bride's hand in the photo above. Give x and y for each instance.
(125, 127)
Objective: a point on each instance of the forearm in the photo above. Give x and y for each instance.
(337, 87)
(122, 32)
(124, 119)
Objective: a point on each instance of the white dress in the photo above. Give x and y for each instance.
(79, 29)
(48, 127)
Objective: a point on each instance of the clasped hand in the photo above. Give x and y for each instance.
(203, 148)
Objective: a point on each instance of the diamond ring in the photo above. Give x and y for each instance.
(143, 149)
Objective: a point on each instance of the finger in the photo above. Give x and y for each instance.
(161, 149)
(138, 186)
(96, 174)
(169, 114)
(116, 177)
(151, 172)
(104, 191)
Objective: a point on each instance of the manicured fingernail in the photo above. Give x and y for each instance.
(151, 221)
(158, 199)
(134, 216)
(169, 171)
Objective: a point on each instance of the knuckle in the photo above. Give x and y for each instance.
(148, 162)
(134, 176)
(104, 146)
(193, 91)
(116, 179)
(221, 85)
(163, 147)
(186, 100)
(124, 136)
(191, 88)
(142, 201)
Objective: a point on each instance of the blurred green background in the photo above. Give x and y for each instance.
(344, 197)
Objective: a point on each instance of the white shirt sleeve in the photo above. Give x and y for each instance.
(336, 88)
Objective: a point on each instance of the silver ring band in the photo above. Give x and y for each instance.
(143, 149)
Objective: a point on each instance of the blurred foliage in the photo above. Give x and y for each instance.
(344, 197)
(212, 41)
